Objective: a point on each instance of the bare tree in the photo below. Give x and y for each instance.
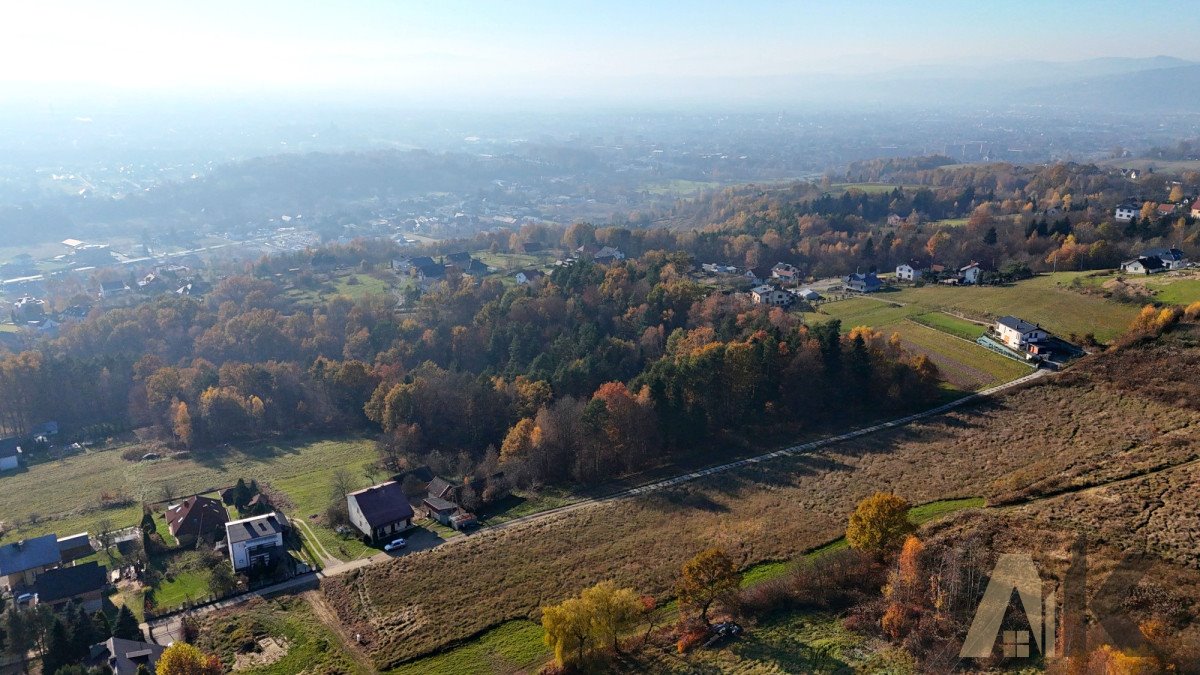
(342, 484)
(167, 491)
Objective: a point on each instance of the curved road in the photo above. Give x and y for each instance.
(166, 629)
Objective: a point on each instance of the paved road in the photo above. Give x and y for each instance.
(166, 629)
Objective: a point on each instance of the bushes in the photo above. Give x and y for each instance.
(829, 581)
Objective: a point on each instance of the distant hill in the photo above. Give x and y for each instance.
(1174, 89)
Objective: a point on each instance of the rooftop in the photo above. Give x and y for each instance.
(382, 504)
(29, 554)
(254, 528)
(68, 582)
(1020, 325)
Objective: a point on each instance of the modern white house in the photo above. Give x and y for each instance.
(1143, 265)
(255, 542)
(1127, 212)
(771, 296)
(1018, 333)
(970, 273)
(906, 272)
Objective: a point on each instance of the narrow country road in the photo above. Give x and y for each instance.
(165, 629)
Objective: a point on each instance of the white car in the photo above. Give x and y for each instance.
(397, 544)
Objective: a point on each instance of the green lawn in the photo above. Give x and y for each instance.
(185, 587)
(963, 363)
(311, 646)
(1181, 292)
(866, 311)
(301, 469)
(679, 186)
(870, 188)
(512, 646)
(512, 262)
(1046, 299)
(951, 325)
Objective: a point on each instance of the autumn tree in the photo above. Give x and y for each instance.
(181, 424)
(879, 523)
(182, 658)
(613, 611)
(706, 579)
(518, 443)
(568, 627)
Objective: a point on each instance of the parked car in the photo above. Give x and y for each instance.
(395, 545)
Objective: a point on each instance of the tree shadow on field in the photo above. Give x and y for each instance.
(215, 457)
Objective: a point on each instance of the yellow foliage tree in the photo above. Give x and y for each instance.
(568, 627)
(613, 611)
(181, 424)
(184, 659)
(879, 523)
(519, 441)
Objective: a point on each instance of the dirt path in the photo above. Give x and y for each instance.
(327, 559)
(328, 616)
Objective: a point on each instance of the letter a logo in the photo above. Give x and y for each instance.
(1013, 571)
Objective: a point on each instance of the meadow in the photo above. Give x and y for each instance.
(1104, 427)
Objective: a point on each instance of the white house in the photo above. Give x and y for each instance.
(906, 272)
(1127, 212)
(1017, 333)
(785, 272)
(771, 296)
(808, 295)
(1171, 258)
(10, 454)
(1143, 265)
(255, 542)
(970, 273)
(528, 276)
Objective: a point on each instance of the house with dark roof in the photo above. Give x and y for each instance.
(475, 268)
(440, 509)
(862, 283)
(528, 276)
(1171, 258)
(1019, 334)
(461, 258)
(22, 562)
(255, 542)
(443, 489)
(83, 583)
(1143, 265)
(10, 454)
(608, 255)
(197, 517)
(124, 657)
(380, 512)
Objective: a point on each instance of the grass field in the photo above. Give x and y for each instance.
(679, 186)
(33, 501)
(513, 262)
(870, 188)
(310, 645)
(518, 645)
(1045, 299)
(964, 364)
(1180, 292)
(951, 325)
(942, 337)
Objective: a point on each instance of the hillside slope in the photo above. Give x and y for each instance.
(1115, 416)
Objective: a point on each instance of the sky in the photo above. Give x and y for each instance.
(446, 48)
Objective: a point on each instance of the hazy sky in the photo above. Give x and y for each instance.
(445, 48)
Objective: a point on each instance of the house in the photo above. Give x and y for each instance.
(28, 310)
(1143, 265)
(717, 268)
(757, 275)
(255, 542)
(528, 276)
(1167, 209)
(862, 283)
(608, 255)
(10, 454)
(785, 272)
(970, 273)
(894, 219)
(1019, 334)
(75, 547)
(1171, 258)
(461, 259)
(45, 430)
(82, 583)
(808, 295)
(907, 272)
(530, 246)
(195, 518)
(475, 268)
(1127, 211)
(440, 509)
(771, 296)
(380, 512)
(125, 657)
(112, 289)
(22, 562)
(463, 521)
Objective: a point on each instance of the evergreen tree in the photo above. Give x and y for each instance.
(990, 237)
(58, 648)
(102, 626)
(126, 626)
